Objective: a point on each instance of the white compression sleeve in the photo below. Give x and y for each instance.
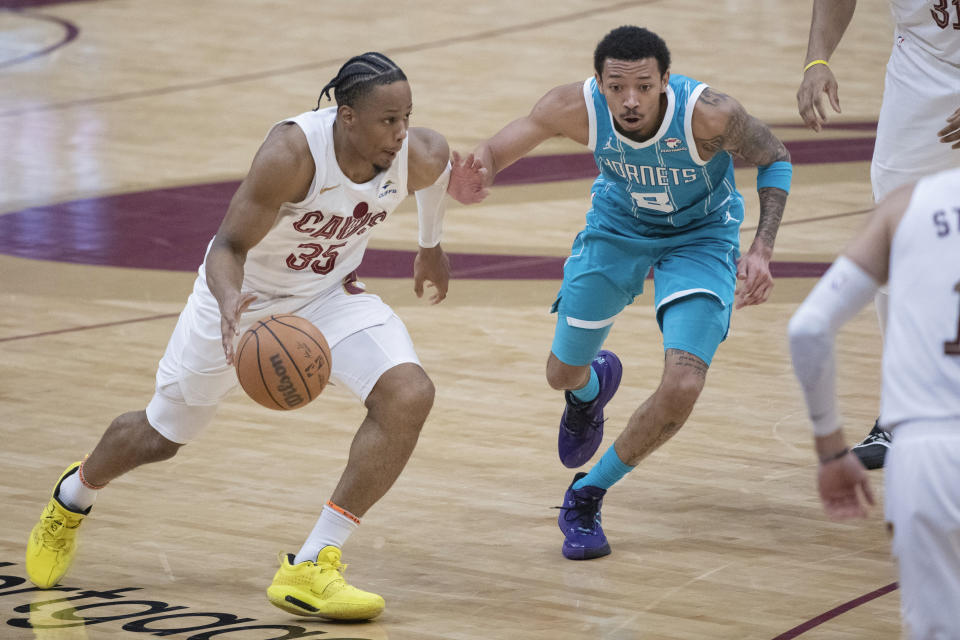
(842, 291)
(430, 209)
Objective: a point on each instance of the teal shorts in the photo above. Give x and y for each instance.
(694, 277)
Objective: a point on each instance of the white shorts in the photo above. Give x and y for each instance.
(366, 339)
(919, 92)
(923, 504)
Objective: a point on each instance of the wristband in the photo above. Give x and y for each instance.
(816, 62)
(835, 456)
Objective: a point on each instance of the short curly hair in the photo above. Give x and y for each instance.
(631, 43)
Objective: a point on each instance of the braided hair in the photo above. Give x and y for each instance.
(359, 75)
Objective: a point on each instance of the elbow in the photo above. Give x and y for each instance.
(811, 341)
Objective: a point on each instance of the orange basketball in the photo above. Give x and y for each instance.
(283, 362)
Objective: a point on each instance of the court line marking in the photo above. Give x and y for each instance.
(87, 327)
(333, 62)
(836, 611)
(70, 34)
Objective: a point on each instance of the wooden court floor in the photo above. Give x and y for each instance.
(124, 125)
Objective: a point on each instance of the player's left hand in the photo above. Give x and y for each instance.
(754, 281)
(431, 265)
(951, 132)
(468, 179)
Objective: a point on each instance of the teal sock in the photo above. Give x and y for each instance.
(605, 473)
(589, 391)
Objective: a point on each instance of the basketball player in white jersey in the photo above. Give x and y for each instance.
(918, 131)
(911, 242)
(292, 237)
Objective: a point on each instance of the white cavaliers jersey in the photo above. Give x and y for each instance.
(318, 241)
(921, 356)
(932, 26)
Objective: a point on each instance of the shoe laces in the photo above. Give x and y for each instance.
(580, 417)
(584, 511)
(334, 565)
(55, 529)
(877, 437)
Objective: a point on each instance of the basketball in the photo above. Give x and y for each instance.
(283, 362)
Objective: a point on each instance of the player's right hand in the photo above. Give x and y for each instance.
(468, 179)
(230, 312)
(817, 80)
(951, 133)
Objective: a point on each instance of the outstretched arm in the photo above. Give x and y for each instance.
(827, 25)
(561, 112)
(720, 123)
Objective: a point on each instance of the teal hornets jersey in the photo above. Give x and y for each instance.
(661, 182)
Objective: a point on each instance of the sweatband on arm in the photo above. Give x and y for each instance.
(776, 174)
(430, 209)
(842, 291)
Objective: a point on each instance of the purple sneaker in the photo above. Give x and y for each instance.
(580, 522)
(581, 427)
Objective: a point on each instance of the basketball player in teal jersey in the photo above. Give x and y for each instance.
(665, 198)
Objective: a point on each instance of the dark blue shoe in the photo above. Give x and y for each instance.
(580, 522)
(581, 427)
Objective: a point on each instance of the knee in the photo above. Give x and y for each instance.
(403, 397)
(678, 395)
(564, 377)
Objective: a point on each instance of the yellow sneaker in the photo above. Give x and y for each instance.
(52, 543)
(318, 589)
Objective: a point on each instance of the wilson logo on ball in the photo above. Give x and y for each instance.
(283, 362)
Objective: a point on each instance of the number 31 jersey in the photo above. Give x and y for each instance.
(318, 241)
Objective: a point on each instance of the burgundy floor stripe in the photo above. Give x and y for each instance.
(833, 613)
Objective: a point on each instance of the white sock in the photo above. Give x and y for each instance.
(332, 530)
(76, 495)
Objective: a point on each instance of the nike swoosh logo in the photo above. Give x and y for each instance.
(325, 189)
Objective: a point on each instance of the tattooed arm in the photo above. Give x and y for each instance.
(720, 123)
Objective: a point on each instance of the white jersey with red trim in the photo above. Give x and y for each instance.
(316, 242)
(921, 356)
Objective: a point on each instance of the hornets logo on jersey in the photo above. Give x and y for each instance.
(661, 181)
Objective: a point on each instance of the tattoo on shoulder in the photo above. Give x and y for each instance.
(711, 97)
(748, 138)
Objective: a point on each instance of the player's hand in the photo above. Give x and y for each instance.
(951, 132)
(431, 265)
(754, 281)
(230, 312)
(468, 179)
(844, 488)
(817, 80)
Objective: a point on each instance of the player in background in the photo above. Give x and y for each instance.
(918, 132)
(912, 244)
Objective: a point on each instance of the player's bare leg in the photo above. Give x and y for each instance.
(396, 410)
(127, 443)
(661, 416)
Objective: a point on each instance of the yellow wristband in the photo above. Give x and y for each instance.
(810, 64)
